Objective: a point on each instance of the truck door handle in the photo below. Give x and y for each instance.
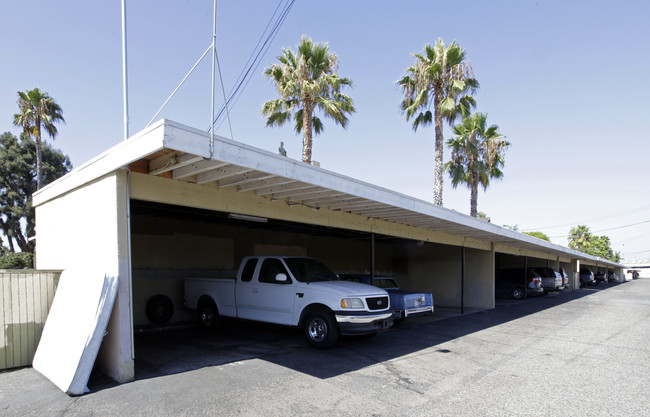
(300, 294)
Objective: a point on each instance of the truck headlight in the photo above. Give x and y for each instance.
(351, 303)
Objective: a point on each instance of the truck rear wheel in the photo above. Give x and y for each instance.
(321, 329)
(208, 314)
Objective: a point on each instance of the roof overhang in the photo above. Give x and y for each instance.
(182, 153)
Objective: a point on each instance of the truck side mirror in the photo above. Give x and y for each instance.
(281, 277)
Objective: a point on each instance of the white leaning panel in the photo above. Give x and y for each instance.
(75, 328)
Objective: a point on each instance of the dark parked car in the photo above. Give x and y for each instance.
(586, 277)
(611, 276)
(405, 303)
(514, 283)
(600, 277)
(551, 279)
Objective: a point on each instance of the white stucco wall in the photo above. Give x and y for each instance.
(88, 228)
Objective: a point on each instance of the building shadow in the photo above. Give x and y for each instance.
(187, 347)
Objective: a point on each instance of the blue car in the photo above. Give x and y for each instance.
(404, 303)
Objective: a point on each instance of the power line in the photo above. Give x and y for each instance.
(621, 227)
(636, 253)
(254, 59)
(588, 221)
(612, 228)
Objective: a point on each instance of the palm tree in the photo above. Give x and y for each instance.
(476, 155)
(306, 81)
(38, 109)
(580, 238)
(440, 77)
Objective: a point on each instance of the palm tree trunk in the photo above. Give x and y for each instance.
(473, 199)
(307, 111)
(437, 192)
(39, 163)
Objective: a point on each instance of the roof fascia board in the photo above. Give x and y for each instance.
(185, 139)
(145, 142)
(248, 156)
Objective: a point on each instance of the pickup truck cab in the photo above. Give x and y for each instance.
(294, 291)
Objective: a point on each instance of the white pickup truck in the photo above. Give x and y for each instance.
(294, 291)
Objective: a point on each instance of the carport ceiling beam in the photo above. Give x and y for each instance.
(243, 179)
(321, 196)
(277, 189)
(336, 202)
(170, 162)
(385, 216)
(379, 209)
(400, 215)
(265, 183)
(196, 168)
(297, 192)
(360, 202)
(220, 174)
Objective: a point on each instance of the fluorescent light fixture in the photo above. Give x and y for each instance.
(248, 218)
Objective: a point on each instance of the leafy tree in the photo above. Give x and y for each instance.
(38, 109)
(442, 79)
(307, 80)
(514, 228)
(601, 246)
(18, 182)
(538, 235)
(18, 260)
(476, 155)
(580, 237)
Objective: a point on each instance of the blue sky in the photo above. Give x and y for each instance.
(566, 81)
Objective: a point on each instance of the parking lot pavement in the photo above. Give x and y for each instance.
(580, 353)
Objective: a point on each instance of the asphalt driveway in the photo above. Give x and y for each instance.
(580, 353)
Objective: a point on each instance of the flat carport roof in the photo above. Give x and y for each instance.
(181, 153)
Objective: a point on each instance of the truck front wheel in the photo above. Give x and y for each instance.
(321, 329)
(208, 314)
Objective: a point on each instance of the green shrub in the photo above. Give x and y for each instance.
(16, 260)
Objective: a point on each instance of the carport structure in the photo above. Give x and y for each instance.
(167, 201)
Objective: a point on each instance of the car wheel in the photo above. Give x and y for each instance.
(208, 314)
(159, 309)
(321, 329)
(518, 293)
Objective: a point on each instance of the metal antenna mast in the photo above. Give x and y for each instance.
(215, 58)
(124, 73)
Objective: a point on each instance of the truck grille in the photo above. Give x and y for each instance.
(377, 303)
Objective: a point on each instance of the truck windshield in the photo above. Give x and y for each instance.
(309, 270)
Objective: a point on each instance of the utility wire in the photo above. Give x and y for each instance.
(253, 67)
(611, 228)
(588, 221)
(255, 58)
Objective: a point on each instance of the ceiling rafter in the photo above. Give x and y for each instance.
(298, 191)
(277, 189)
(220, 173)
(244, 178)
(171, 161)
(265, 183)
(196, 168)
